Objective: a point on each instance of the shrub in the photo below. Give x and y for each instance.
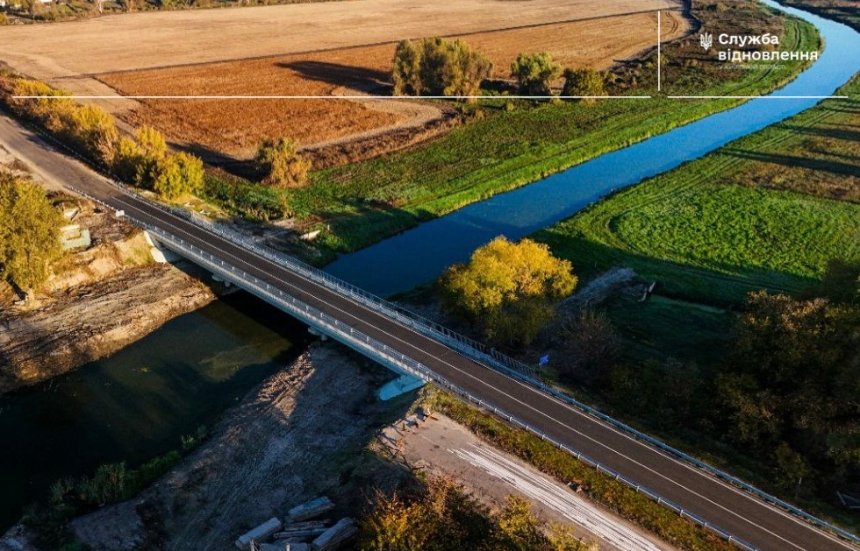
(435, 66)
(535, 72)
(584, 82)
(108, 485)
(282, 163)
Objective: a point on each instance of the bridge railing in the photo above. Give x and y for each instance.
(487, 356)
(369, 346)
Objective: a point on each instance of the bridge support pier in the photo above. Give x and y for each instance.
(400, 385)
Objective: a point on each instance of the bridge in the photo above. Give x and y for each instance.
(419, 348)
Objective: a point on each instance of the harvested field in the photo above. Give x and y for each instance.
(230, 127)
(146, 40)
(344, 46)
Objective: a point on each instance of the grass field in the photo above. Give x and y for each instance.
(230, 127)
(366, 201)
(761, 212)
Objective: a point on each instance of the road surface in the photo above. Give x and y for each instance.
(732, 510)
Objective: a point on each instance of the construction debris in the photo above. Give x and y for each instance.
(310, 509)
(331, 539)
(261, 532)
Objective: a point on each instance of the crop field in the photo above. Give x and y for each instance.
(751, 215)
(230, 127)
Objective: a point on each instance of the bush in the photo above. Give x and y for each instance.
(282, 163)
(584, 82)
(508, 288)
(535, 72)
(247, 199)
(435, 66)
(441, 515)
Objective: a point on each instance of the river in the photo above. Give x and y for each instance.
(421, 254)
(139, 402)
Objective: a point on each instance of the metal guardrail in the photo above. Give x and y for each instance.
(479, 352)
(360, 341)
(492, 358)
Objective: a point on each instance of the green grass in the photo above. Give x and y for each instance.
(367, 201)
(662, 327)
(705, 236)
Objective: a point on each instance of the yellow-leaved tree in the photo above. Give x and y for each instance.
(509, 289)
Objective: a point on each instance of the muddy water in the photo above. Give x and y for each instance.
(138, 403)
(421, 254)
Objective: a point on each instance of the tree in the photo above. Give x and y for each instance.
(584, 82)
(535, 72)
(282, 163)
(841, 281)
(94, 131)
(29, 232)
(176, 175)
(406, 73)
(518, 527)
(591, 346)
(435, 66)
(508, 288)
(790, 389)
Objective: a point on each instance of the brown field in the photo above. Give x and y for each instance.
(228, 126)
(327, 49)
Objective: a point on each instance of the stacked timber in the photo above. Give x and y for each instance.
(310, 509)
(300, 530)
(262, 532)
(297, 529)
(343, 530)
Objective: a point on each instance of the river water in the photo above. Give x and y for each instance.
(138, 403)
(419, 255)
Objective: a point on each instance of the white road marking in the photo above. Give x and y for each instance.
(502, 392)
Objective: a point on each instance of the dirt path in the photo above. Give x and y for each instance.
(446, 448)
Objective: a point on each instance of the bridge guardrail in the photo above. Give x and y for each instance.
(344, 332)
(479, 352)
(492, 358)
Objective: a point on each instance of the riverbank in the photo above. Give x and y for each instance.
(510, 144)
(100, 299)
(303, 432)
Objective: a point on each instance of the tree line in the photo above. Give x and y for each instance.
(785, 391)
(440, 67)
(142, 160)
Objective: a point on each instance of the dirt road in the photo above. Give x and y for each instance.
(449, 449)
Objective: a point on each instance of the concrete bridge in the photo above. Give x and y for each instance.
(420, 349)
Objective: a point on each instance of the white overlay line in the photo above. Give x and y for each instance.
(362, 97)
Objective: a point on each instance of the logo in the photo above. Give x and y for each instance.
(706, 40)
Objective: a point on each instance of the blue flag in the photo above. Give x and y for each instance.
(543, 360)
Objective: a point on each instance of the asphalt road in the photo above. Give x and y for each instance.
(724, 506)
